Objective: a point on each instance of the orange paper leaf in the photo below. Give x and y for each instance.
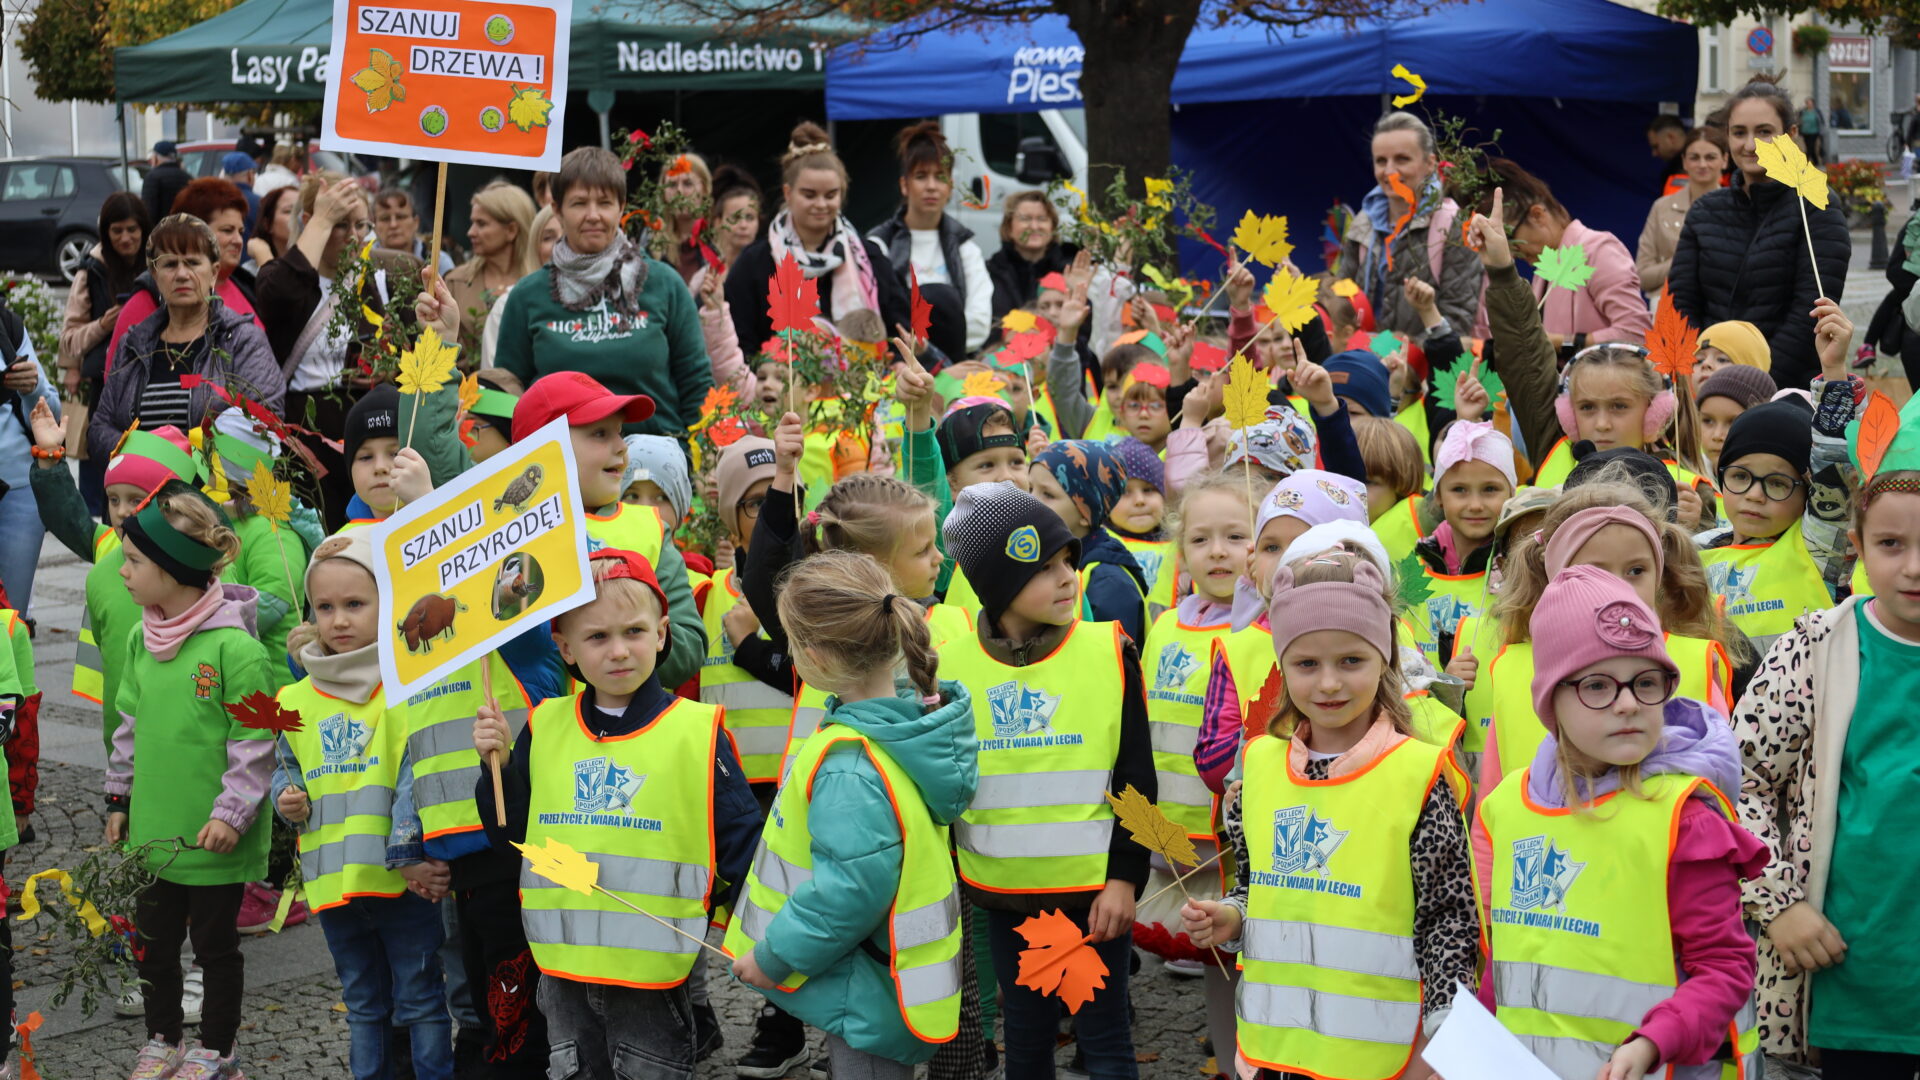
(1399, 188)
(25, 1030)
(1058, 960)
(261, 712)
(1266, 706)
(718, 399)
(1672, 344)
(1879, 423)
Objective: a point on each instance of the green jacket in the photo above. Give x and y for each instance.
(927, 471)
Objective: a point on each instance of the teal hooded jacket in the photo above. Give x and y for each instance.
(856, 868)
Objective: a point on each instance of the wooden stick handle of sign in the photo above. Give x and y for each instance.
(493, 756)
(439, 205)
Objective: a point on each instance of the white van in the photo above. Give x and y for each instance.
(996, 154)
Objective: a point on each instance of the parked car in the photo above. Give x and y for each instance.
(50, 210)
(204, 158)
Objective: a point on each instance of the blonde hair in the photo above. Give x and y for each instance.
(865, 513)
(1174, 524)
(1685, 604)
(508, 203)
(193, 517)
(1570, 787)
(840, 607)
(311, 185)
(1390, 697)
(1390, 452)
(1681, 435)
(622, 590)
(809, 148)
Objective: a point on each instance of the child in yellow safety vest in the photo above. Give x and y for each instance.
(1348, 834)
(372, 887)
(1610, 866)
(855, 858)
(645, 784)
(1062, 720)
(1135, 521)
(1447, 579)
(1608, 524)
(1081, 481)
(1785, 551)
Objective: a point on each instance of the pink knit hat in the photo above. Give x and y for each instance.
(147, 459)
(1586, 616)
(1573, 534)
(1359, 607)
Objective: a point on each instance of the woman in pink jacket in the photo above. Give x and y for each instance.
(1609, 306)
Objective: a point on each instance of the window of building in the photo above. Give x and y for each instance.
(1850, 84)
(1714, 42)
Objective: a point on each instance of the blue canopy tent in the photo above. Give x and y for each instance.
(1278, 122)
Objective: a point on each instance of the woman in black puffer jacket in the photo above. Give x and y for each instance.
(1742, 253)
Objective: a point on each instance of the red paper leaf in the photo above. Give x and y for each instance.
(1266, 706)
(1672, 343)
(922, 310)
(261, 712)
(793, 299)
(1207, 357)
(1879, 423)
(1030, 345)
(727, 432)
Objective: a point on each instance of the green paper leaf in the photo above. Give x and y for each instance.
(1385, 344)
(1447, 380)
(1566, 267)
(1413, 587)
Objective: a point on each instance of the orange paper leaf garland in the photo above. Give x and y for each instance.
(1672, 344)
(1405, 194)
(261, 712)
(1872, 434)
(793, 299)
(1059, 961)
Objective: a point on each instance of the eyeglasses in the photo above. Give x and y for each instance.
(1143, 406)
(1599, 690)
(751, 505)
(1778, 487)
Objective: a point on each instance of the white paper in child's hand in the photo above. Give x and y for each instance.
(1472, 1045)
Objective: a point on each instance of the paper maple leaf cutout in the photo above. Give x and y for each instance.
(1871, 434)
(1030, 345)
(469, 392)
(272, 497)
(1414, 589)
(1345, 287)
(1264, 708)
(562, 865)
(1384, 344)
(1291, 298)
(1399, 187)
(1207, 357)
(1401, 101)
(1058, 960)
(1786, 162)
(1263, 238)
(1151, 828)
(727, 432)
(1018, 321)
(528, 108)
(1245, 395)
(1566, 267)
(261, 712)
(921, 310)
(380, 79)
(1446, 382)
(982, 384)
(718, 399)
(428, 365)
(793, 299)
(1178, 292)
(1673, 341)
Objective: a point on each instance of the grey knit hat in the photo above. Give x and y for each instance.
(660, 459)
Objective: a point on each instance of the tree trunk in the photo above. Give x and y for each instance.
(1132, 49)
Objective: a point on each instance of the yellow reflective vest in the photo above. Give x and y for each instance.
(641, 807)
(1450, 598)
(89, 673)
(349, 759)
(630, 527)
(1578, 923)
(923, 922)
(1177, 660)
(1160, 562)
(1414, 419)
(1559, 462)
(1049, 734)
(1329, 982)
(757, 715)
(1766, 586)
(1251, 662)
(1399, 528)
(439, 726)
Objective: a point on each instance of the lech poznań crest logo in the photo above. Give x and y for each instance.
(343, 739)
(1019, 709)
(600, 786)
(1542, 874)
(1303, 841)
(1150, 564)
(1735, 583)
(1177, 664)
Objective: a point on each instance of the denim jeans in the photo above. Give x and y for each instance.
(1030, 1019)
(386, 951)
(600, 1032)
(453, 960)
(20, 537)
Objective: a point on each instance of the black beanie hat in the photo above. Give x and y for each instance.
(1647, 472)
(1001, 537)
(959, 434)
(1782, 428)
(375, 416)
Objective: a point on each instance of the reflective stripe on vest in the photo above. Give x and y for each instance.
(757, 715)
(440, 743)
(1330, 985)
(89, 680)
(1038, 726)
(1159, 562)
(1578, 920)
(1517, 731)
(1178, 660)
(923, 925)
(1765, 587)
(1399, 528)
(348, 760)
(639, 806)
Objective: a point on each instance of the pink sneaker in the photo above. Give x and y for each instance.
(157, 1061)
(203, 1064)
(257, 905)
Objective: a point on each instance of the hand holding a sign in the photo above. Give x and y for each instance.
(435, 308)
(490, 732)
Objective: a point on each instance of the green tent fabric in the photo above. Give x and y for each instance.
(277, 50)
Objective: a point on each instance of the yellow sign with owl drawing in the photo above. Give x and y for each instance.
(489, 556)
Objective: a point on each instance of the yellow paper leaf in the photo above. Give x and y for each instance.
(1245, 396)
(1264, 238)
(982, 384)
(83, 909)
(1017, 321)
(469, 392)
(428, 365)
(1786, 162)
(562, 865)
(1401, 101)
(272, 497)
(1345, 287)
(1159, 192)
(528, 108)
(1291, 298)
(1152, 829)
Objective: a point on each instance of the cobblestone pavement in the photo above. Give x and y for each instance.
(294, 1027)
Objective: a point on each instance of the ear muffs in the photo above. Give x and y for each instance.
(1563, 405)
(1659, 411)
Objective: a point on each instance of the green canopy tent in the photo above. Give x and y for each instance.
(277, 50)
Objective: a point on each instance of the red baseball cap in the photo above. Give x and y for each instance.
(577, 396)
(613, 563)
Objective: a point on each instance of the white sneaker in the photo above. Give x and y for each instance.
(132, 1002)
(1186, 969)
(193, 995)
